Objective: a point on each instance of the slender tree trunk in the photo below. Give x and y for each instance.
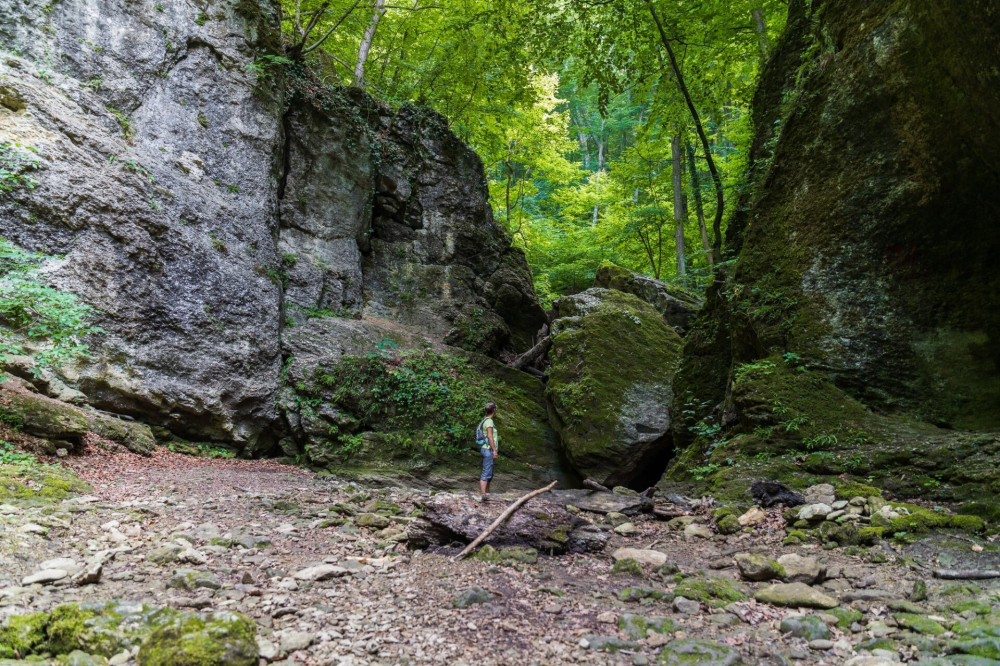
(699, 207)
(366, 44)
(677, 166)
(600, 165)
(760, 27)
(716, 178)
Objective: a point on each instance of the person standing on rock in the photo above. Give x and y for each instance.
(488, 440)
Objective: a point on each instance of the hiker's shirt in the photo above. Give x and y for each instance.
(487, 424)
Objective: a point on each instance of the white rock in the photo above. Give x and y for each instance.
(799, 569)
(266, 649)
(626, 529)
(32, 528)
(287, 584)
(754, 516)
(696, 530)
(8, 510)
(44, 576)
(642, 556)
(814, 511)
(296, 640)
(320, 572)
(120, 659)
(90, 575)
(286, 528)
(191, 556)
(64, 563)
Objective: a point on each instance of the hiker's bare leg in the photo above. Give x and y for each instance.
(484, 487)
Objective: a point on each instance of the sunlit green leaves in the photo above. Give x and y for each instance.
(35, 318)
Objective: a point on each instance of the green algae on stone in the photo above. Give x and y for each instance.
(638, 626)
(187, 579)
(188, 639)
(975, 605)
(696, 651)
(809, 627)
(103, 629)
(637, 592)
(845, 616)
(715, 592)
(626, 566)
(39, 484)
(22, 634)
(919, 623)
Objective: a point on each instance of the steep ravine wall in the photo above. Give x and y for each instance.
(858, 330)
(229, 222)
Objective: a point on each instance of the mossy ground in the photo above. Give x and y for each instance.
(38, 484)
(797, 427)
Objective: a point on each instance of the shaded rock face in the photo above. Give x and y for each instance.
(612, 362)
(218, 221)
(678, 306)
(863, 248)
(438, 262)
(866, 246)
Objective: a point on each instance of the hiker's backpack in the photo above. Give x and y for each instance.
(481, 439)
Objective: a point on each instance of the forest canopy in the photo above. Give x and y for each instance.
(610, 130)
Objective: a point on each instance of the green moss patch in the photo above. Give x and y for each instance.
(715, 592)
(38, 483)
(164, 636)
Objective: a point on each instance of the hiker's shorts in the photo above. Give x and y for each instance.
(487, 474)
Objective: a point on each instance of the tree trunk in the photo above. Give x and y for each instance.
(716, 178)
(366, 44)
(760, 27)
(600, 165)
(698, 207)
(677, 166)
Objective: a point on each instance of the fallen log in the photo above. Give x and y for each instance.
(662, 514)
(965, 574)
(503, 516)
(594, 485)
(527, 357)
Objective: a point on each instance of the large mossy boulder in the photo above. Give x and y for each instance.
(855, 326)
(677, 305)
(612, 362)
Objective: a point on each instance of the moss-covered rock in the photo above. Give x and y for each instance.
(164, 636)
(190, 639)
(135, 437)
(677, 305)
(864, 286)
(715, 592)
(38, 484)
(44, 417)
(612, 363)
(639, 626)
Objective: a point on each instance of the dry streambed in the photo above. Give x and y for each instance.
(174, 560)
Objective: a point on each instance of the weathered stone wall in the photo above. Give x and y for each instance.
(219, 219)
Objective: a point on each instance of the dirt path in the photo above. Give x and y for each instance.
(253, 525)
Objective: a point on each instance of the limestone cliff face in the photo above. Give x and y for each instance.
(218, 218)
(865, 247)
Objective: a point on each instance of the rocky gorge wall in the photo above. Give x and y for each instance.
(237, 228)
(857, 332)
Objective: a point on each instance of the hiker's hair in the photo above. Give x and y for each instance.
(491, 407)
